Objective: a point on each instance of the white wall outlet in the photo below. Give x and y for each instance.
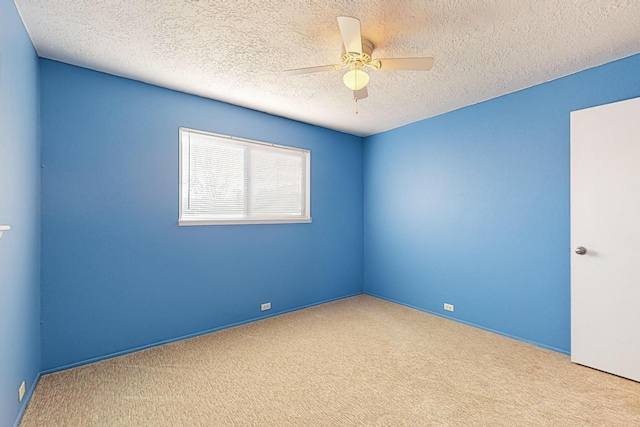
(265, 306)
(21, 390)
(448, 307)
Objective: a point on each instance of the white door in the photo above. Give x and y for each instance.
(605, 220)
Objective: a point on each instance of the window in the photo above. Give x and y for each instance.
(228, 180)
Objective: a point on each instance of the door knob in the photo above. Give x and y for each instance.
(581, 250)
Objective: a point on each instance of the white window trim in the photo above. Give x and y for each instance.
(254, 220)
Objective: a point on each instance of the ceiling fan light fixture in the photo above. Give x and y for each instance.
(355, 79)
(355, 55)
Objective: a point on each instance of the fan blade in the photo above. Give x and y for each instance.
(309, 70)
(360, 94)
(423, 64)
(351, 36)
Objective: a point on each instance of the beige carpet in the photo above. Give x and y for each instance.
(355, 362)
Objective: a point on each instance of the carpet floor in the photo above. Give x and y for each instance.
(360, 361)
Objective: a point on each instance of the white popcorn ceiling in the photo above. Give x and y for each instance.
(234, 51)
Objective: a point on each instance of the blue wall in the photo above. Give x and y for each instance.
(472, 207)
(20, 208)
(117, 270)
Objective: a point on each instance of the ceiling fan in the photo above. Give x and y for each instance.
(356, 56)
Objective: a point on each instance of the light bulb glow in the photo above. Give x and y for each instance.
(355, 79)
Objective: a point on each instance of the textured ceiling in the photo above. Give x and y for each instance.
(234, 51)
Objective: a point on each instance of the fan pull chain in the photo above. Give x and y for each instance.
(357, 112)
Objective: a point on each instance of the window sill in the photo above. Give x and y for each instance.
(4, 228)
(191, 222)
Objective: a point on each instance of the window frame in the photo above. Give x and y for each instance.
(267, 220)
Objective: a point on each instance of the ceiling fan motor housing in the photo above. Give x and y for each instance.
(350, 57)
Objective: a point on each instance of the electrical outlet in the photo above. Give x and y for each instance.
(448, 307)
(265, 306)
(21, 390)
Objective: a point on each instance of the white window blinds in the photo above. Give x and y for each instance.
(226, 180)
